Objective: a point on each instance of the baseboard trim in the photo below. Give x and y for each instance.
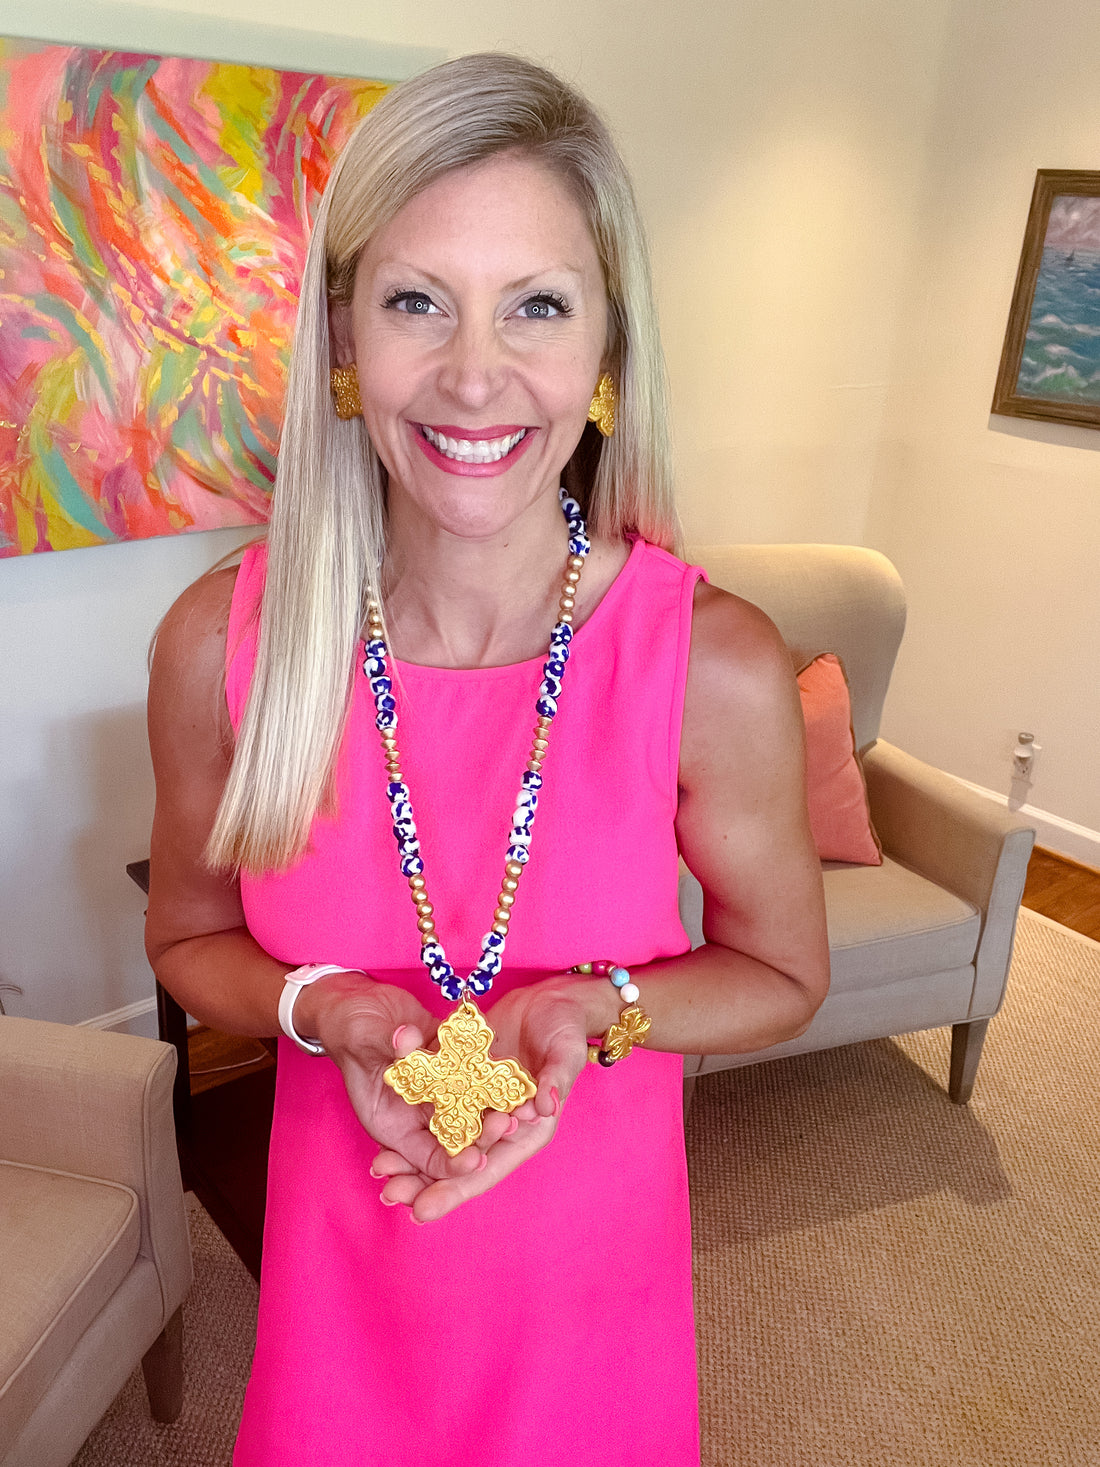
(119, 1016)
(1063, 837)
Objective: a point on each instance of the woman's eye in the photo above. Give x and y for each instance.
(412, 303)
(543, 307)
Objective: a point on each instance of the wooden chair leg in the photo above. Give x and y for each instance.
(966, 1051)
(162, 1366)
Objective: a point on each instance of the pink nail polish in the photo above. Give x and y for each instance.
(556, 1098)
(483, 1163)
(397, 1033)
(387, 1201)
(512, 1127)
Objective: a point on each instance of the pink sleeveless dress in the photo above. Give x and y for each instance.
(548, 1323)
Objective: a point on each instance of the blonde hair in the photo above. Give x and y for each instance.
(326, 539)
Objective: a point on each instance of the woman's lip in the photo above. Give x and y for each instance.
(468, 470)
(476, 435)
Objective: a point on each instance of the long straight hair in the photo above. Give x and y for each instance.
(326, 539)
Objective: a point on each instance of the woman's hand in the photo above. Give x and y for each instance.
(544, 1026)
(363, 1025)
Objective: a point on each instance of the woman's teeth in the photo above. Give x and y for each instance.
(480, 451)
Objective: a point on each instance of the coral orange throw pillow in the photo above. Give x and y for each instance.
(837, 795)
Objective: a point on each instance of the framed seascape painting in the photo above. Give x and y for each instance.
(154, 212)
(1050, 364)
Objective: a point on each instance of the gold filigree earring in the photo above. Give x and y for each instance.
(345, 391)
(602, 410)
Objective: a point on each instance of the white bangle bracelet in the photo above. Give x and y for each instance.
(295, 982)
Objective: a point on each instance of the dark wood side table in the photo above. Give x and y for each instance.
(222, 1134)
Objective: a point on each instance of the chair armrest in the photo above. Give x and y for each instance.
(99, 1104)
(961, 841)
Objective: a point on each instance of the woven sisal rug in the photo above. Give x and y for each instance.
(881, 1277)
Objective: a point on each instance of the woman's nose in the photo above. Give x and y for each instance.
(475, 367)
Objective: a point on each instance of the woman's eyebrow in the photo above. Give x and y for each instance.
(402, 267)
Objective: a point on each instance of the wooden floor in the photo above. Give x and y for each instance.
(1064, 891)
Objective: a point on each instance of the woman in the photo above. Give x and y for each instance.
(478, 261)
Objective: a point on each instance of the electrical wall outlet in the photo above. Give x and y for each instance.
(1023, 757)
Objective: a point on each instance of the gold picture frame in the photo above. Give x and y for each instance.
(1050, 362)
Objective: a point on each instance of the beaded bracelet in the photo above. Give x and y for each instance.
(633, 1023)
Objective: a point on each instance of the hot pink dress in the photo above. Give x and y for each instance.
(548, 1323)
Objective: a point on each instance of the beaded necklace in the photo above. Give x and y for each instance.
(461, 1080)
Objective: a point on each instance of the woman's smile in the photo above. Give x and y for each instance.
(473, 452)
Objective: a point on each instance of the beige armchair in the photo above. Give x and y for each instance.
(93, 1234)
(925, 939)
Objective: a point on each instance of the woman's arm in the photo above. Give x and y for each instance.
(195, 933)
(744, 832)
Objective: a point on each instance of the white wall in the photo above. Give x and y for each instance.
(994, 522)
(76, 787)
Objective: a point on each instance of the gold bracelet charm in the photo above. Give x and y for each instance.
(633, 1023)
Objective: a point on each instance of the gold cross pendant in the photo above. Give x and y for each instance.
(462, 1080)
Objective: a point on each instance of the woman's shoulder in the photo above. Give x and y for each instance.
(738, 658)
(203, 612)
(200, 613)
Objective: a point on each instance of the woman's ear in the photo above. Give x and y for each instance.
(341, 334)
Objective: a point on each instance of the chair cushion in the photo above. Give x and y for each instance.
(887, 924)
(67, 1243)
(835, 790)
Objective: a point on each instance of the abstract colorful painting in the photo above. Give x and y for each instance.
(154, 213)
(1050, 367)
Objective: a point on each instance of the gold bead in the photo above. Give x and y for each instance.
(509, 884)
(542, 721)
(506, 899)
(513, 869)
(417, 883)
(500, 928)
(572, 578)
(576, 562)
(567, 602)
(540, 746)
(426, 925)
(567, 618)
(501, 917)
(424, 908)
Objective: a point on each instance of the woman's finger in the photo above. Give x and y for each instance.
(442, 1197)
(391, 1164)
(495, 1124)
(406, 1038)
(403, 1190)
